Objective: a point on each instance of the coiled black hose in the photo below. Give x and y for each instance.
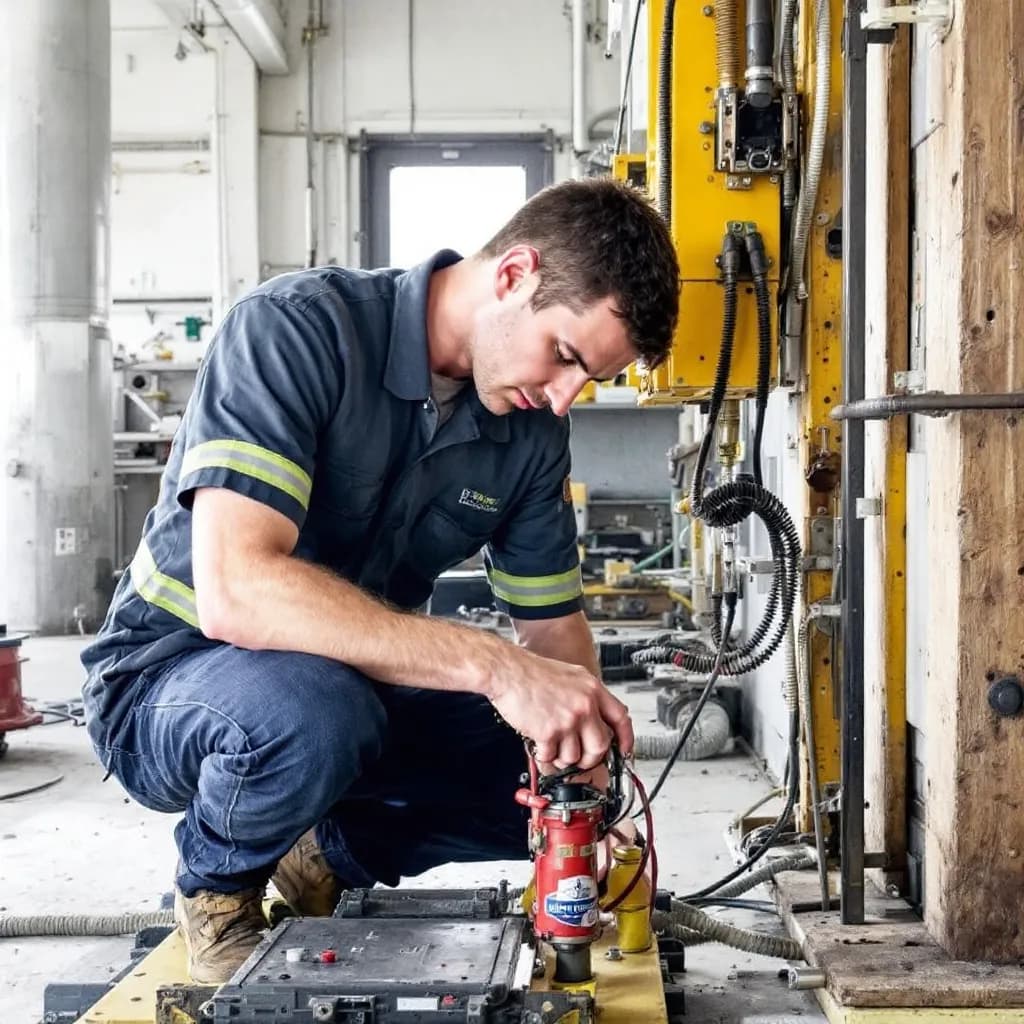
(731, 503)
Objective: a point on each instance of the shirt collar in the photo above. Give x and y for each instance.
(407, 373)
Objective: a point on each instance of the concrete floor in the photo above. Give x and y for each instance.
(81, 846)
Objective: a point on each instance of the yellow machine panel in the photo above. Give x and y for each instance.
(705, 200)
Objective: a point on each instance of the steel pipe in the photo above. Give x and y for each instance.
(930, 403)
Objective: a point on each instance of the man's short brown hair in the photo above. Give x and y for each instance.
(601, 238)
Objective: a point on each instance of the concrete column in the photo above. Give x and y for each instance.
(56, 462)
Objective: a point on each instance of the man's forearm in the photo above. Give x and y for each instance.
(566, 639)
(280, 602)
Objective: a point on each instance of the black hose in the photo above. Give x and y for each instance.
(760, 77)
(664, 194)
(759, 271)
(684, 733)
(780, 822)
(733, 502)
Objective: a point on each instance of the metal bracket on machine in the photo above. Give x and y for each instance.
(881, 15)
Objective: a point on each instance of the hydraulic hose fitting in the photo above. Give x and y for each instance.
(729, 434)
(756, 253)
(731, 257)
(760, 75)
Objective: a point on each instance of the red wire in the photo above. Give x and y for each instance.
(648, 852)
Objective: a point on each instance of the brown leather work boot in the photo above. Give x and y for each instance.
(305, 879)
(220, 930)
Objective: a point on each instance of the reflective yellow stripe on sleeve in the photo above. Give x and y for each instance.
(536, 591)
(162, 590)
(252, 460)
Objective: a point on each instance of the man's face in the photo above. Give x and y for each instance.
(524, 359)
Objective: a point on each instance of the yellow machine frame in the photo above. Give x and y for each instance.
(704, 202)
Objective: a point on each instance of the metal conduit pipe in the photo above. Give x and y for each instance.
(815, 149)
(710, 734)
(787, 75)
(310, 36)
(727, 46)
(81, 925)
(760, 75)
(580, 139)
(798, 862)
(854, 329)
(729, 935)
(931, 403)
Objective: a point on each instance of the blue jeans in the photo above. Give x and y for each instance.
(258, 746)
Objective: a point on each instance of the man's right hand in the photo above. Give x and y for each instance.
(568, 713)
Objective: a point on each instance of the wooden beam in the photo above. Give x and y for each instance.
(971, 201)
(887, 286)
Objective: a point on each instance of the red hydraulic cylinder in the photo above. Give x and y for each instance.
(14, 712)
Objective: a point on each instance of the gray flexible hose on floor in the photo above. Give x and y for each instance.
(798, 862)
(81, 925)
(727, 934)
(662, 923)
(710, 734)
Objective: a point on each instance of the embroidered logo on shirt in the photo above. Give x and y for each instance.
(478, 500)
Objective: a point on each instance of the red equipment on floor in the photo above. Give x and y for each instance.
(14, 712)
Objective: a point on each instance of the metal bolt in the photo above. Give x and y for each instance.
(614, 953)
(707, 10)
(705, 127)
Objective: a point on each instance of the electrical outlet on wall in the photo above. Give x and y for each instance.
(65, 541)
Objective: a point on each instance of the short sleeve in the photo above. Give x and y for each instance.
(533, 561)
(268, 385)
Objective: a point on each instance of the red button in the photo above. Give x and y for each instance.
(448, 1001)
(328, 956)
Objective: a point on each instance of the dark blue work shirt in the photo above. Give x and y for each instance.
(314, 398)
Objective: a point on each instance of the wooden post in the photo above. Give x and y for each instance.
(971, 203)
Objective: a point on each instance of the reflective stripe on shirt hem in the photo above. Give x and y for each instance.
(252, 460)
(161, 590)
(536, 591)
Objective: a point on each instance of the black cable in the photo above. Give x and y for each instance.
(625, 85)
(759, 271)
(763, 906)
(10, 794)
(684, 733)
(794, 754)
(731, 503)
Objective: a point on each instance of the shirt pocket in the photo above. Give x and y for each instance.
(348, 491)
(344, 503)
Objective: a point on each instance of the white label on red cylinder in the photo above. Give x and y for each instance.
(574, 901)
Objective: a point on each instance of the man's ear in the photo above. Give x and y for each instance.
(517, 272)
